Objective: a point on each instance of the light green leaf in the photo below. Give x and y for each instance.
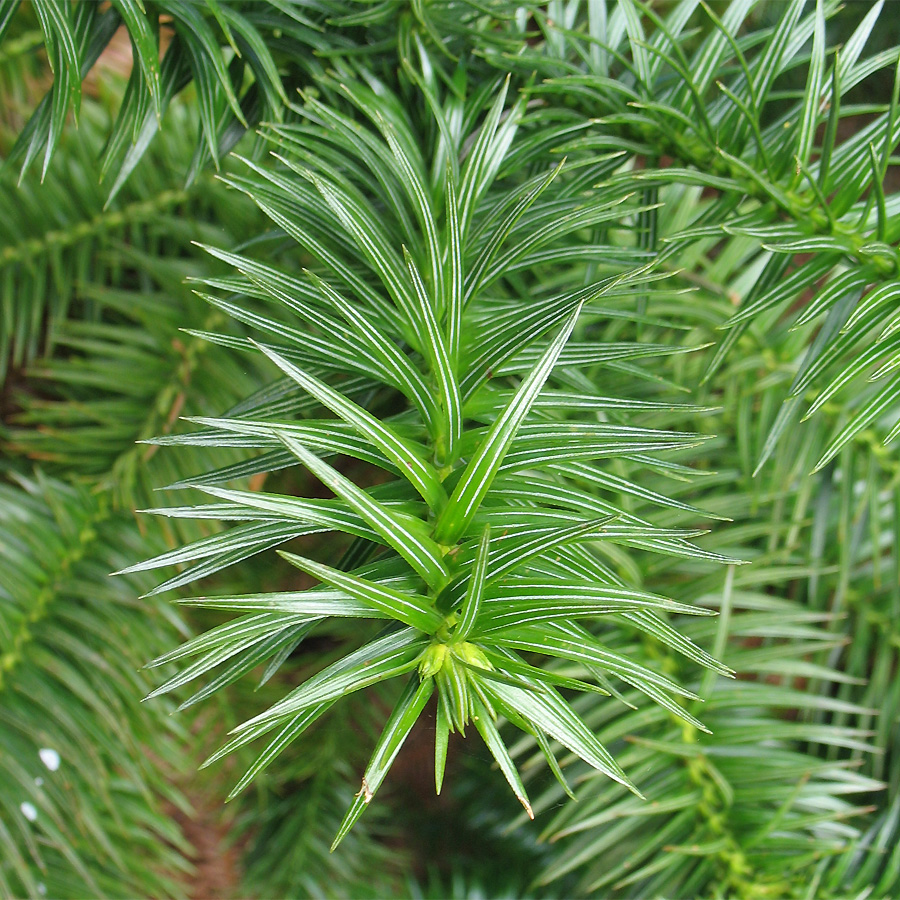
(410, 464)
(404, 607)
(405, 714)
(488, 730)
(441, 366)
(472, 601)
(144, 44)
(483, 466)
(377, 661)
(290, 732)
(551, 713)
(454, 269)
(529, 600)
(881, 403)
(419, 550)
(812, 98)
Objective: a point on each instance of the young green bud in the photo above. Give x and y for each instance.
(432, 660)
(472, 654)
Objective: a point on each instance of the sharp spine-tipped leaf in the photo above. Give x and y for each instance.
(482, 467)
(727, 179)
(419, 550)
(422, 476)
(402, 607)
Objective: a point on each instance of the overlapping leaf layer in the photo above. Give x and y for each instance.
(422, 342)
(447, 297)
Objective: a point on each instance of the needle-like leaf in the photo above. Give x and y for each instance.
(406, 608)
(420, 474)
(488, 730)
(407, 711)
(419, 550)
(472, 602)
(483, 466)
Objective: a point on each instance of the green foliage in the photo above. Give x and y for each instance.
(78, 789)
(453, 551)
(95, 300)
(537, 376)
(75, 37)
(291, 821)
(719, 123)
(724, 815)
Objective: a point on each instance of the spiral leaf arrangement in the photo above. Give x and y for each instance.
(431, 361)
(479, 548)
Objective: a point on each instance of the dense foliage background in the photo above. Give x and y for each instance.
(558, 341)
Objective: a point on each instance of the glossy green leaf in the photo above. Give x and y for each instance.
(144, 43)
(405, 714)
(488, 731)
(379, 660)
(406, 608)
(882, 402)
(410, 464)
(550, 713)
(419, 550)
(483, 466)
(441, 366)
(474, 592)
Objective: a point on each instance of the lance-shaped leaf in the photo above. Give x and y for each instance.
(577, 644)
(298, 724)
(379, 660)
(7, 11)
(376, 248)
(479, 473)
(505, 659)
(441, 742)
(472, 602)
(205, 53)
(275, 648)
(290, 732)
(486, 154)
(283, 204)
(477, 273)
(226, 643)
(144, 45)
(859, 365)
(613, 482)
(403, 375)
(407, 608)
(236, 635)
(549, 712)
(810, 108)
(419, 473)
(435, 350)
(880, 296)
(243, 536)
(453, 686)
(523, 551)
(418, 194)
(519, 546)
(509, 332)
(311, 603)
(488, 730)
(420, 551)
(530, 600)
(320, 512)
(325, 436)
(340, 347)
(454, 289)
(405, 714)
(884, 401)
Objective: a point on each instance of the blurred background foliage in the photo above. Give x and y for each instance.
(796, 793)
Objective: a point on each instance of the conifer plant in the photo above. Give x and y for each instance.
(520, 376)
